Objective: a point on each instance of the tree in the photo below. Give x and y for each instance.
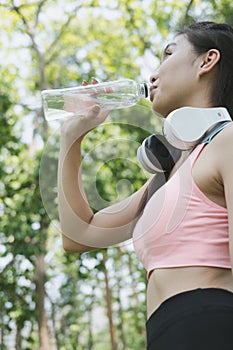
(43, 48)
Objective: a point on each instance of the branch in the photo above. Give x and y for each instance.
(30, 32)
(39, 8)
(58, 37)
(29, 29)
(186, 15)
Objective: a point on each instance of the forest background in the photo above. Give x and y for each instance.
(51, 299)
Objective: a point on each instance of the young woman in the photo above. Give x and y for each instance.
(186, 244)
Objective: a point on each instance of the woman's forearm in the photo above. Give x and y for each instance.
(79, 225)
(74, 212)
(70, 186)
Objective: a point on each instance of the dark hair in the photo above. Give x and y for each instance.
(205, 36)
(210, 35)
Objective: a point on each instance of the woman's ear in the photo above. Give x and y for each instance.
(209, 61)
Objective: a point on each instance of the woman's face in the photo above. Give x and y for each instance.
(175, 83)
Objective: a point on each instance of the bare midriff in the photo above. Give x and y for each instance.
(167, 282)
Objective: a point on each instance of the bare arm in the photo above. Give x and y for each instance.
(81, 229)
(225, 160)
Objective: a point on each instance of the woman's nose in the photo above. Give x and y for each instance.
(154, 76)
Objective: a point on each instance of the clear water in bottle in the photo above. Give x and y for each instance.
(62, 103)
(116, 101)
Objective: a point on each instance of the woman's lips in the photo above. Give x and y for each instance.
(152, 91)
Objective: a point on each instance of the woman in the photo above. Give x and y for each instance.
(187, 248)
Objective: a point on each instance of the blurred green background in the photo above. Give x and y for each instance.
(50, 299)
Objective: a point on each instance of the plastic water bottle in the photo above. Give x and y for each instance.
(74, 101)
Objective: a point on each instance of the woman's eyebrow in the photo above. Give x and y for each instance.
(166, 48)
(168, 45)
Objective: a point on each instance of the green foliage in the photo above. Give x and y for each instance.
(56, 44)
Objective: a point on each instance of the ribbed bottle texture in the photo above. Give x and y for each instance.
(62, 103)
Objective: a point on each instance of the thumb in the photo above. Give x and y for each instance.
(97, 115)
(94, 111)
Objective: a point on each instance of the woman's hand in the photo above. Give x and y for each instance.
(82, 101)
(87, 113)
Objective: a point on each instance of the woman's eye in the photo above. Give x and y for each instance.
(166, 53)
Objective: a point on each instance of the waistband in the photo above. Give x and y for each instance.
(184, 303)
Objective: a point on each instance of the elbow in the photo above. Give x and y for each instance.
(68, 248)
(71, 246)
(68, 245)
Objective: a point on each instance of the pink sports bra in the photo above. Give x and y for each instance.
(181, 227)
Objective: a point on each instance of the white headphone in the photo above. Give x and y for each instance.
(156, 155)
(183, 129)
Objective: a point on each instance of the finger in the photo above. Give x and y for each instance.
(96, 115)
(94, 80)
(94, 111)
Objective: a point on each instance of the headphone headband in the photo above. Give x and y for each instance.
(183, 129)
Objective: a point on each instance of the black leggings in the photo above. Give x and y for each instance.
(200, 319)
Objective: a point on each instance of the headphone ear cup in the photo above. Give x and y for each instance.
(147, 159)
(156, 155)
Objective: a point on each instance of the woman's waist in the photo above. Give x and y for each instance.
(167, 282)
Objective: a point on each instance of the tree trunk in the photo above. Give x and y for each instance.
(90, 335)
(18, 338)
(2, 329)
(109, 306)
(44, 337)
(120, 312)
(56, 332)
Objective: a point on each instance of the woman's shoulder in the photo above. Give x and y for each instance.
(224, 139)
(221, 148)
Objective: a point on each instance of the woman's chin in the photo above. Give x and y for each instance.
(160, 112)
